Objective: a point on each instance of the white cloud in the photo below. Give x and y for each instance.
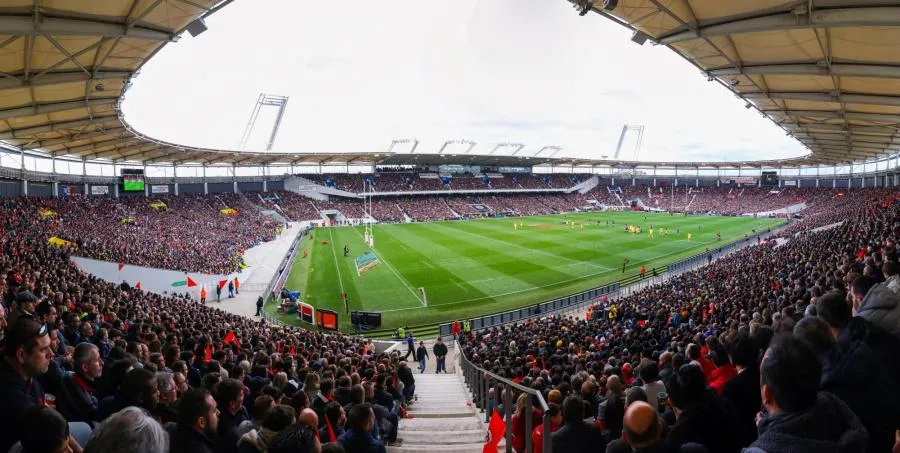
(361, 74)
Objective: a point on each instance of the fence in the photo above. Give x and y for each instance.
(277, 282)
(621, 288)
(480, 383)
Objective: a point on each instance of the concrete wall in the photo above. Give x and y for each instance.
(155, 280)
(190, 188)
(39, 189)
(250, 186)
(10, 188)
(221, 187)
(275, 185)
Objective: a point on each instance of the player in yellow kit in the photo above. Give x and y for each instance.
(690, 236)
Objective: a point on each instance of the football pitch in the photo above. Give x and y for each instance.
(476, 267)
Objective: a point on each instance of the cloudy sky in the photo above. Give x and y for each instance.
(361, 74)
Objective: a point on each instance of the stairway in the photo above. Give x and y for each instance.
(442, 420)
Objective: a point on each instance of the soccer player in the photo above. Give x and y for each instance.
(690, 236)
(718, 235)
(651, 232)
(346, 251)
(625, 263)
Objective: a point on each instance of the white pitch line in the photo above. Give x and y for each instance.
(524, 290)
(336, 266)
(397, 274)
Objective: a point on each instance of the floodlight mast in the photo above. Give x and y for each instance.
(264, 100)
(635, 128)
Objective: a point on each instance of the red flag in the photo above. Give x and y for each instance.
(222, 283)
(207, 354)
(324, 242)
(496, 429)
(137, 285)
(191, 283)
(121, 265)
(229, 337)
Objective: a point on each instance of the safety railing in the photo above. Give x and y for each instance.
(274, 287)
(487, 389)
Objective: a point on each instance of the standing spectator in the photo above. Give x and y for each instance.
(405, 374)
(259, 306)
(218, 292)
(653, 386)
(440, 355)
(422, 356)
(198, 420)
(519, 421)
(77, 400)
(299, 438)
(335, 419)
(168, 397)
(139, 388)
(537, 435)
(127, 431)
(798, 417)
(879, 305)
(230, 289)
(410, 346)
(612, 410)
(577, 435)
(237, 286)
(277, 419)
(357, 438)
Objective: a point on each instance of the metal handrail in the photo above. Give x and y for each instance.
(480, 383)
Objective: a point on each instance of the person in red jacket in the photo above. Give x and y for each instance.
(537, 435)
(723, 372)
(693, 352)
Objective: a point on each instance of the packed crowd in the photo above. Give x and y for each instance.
(186, 232)
(92, 366)
(406, 181)
(779, 347)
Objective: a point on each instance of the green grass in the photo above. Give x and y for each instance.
(476, 267)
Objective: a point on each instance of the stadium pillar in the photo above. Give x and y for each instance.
(205, 188)
(116, 190)
(817, 182)
(612, 181)
(632, 180)
(654, 182)
(55, 189)
(86, 189)
(235, 186)
(176, 188)
(24, 185)
(718, 182)
(697, 182)
(265, 186)
(834, 183)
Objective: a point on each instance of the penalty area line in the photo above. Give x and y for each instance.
(397, 274)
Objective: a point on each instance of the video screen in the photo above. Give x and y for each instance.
(133, 183)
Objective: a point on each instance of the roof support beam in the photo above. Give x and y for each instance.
(833, 114)
(29, 131)
(40, 109)
(62, 77)
(861, 130)
(71, 138)
(104, 145)
(49, 26)
(838, 17)
(812, 69)
(121, 151)
(824, 97)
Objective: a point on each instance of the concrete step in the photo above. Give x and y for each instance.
(440, 425)
(449, 437)
(440, 413)
(441, 448)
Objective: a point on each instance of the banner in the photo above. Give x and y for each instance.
(46, 213)
(789, 183)
(228, 211)
(128, 220)
(57, 242)
(158, 205)
(745, 180)
(159, 189)
(366, 263)
(99, 190)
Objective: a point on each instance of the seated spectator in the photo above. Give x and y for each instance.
(519, 421)
(198, 420)
(741, 390)
(798, 417)
(42, 430)
(852, 373)
(652, 385)
(702, 416)
(77, 400)
(261, 406)
(168, 397)
(277, 419)
(229, 400)
(335, 419)
(358, 437)
(879, 305)
(298, 438)
(139, 388)
(577, 435)
(537, 435)
(128, 431)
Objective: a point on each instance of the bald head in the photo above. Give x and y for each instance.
(309, 418)
(641, 425)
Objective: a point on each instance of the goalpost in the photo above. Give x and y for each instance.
(368, 238)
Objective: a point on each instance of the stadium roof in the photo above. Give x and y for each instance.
(826, 71)
(829, 76)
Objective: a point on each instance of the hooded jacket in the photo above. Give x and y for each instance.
(881, 307)
(828, 427)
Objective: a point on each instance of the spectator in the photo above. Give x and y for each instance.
(537, 434)
(168, 397)
(299, 438)
(879, 305)
(701, 415)
(42, 430)
(742, 390)
(357, 438)
(652, 386)
(277, 419)
(440, 355)
(198, 420)
(798, 417)
(127, 431)
(77, 400)
(139, 388)
(261, 407)
(577, 435)
(335, 419)
(229, 398)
